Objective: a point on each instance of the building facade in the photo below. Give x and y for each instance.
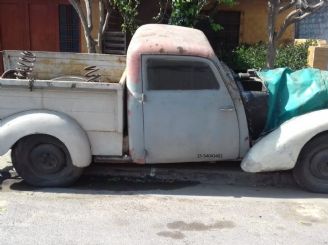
(44, 25)
(53, 25)
(245, 22)
(50, 25)
(314, 26)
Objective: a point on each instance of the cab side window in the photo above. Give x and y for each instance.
(179, 75)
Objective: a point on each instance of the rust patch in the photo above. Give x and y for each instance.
(121, 60)
(46, 61)
(140, 161)
(180, 49)
(161, 50)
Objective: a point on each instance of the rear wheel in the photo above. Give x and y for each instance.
(311, 170)
(43, 160)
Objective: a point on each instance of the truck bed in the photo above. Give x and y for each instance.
(50, 65)
(96, 106)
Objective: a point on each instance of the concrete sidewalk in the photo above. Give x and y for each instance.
(175, 204)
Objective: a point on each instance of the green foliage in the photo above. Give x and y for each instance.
(188, 12)
(247, 56)
(185, 13)
(129, 12)
(293, 56)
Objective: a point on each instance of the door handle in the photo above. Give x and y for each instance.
(226, 109)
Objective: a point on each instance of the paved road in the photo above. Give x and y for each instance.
(131, 211)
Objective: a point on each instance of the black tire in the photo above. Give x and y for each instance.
(44, 161)
(311, 170)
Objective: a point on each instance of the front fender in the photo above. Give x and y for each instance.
(56, 124)
(279, 150)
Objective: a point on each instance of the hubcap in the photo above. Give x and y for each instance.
(319, 164)
(47, 159)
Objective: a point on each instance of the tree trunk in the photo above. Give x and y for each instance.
(272, 17)
(86, 24)
(91, 44)
(301, 9)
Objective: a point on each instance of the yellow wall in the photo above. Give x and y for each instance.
(318, 57)
(254, 21)
(317, 54)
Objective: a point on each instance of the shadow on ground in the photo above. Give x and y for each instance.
(194, 180)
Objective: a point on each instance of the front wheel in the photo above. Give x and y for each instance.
(311, 170)
(44, 161)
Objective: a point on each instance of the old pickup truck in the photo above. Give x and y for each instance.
(169, 100)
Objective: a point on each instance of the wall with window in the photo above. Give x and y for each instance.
(253, 21)
(314, 26)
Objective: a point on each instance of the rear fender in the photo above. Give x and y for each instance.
(56, 124)
(279, 150)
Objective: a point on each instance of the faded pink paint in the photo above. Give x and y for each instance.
(140, 161)
(164, 39)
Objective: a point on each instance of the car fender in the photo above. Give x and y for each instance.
(56, 124)
(279, 150)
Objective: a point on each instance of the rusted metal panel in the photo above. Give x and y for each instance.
(51, 65)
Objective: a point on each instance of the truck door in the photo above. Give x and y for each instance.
(188, 113)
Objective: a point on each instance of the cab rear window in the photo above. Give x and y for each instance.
(179, 75)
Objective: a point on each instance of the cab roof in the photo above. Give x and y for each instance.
(163, 39)
(169, 39)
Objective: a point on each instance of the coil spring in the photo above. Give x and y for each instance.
(25, 65)
(91, 74)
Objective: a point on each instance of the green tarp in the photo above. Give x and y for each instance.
(293, 93)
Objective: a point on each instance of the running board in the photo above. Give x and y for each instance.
(112, 159)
